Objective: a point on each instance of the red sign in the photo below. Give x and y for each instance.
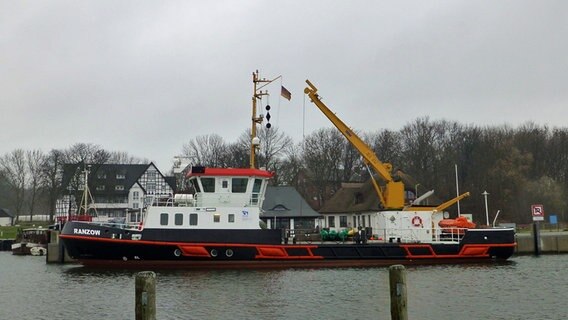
(537, 212)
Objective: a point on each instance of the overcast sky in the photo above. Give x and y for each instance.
(145, 77)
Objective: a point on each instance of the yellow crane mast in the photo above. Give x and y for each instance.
(392, 198)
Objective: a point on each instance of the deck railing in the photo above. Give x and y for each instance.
(447, 235)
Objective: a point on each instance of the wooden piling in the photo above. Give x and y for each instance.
(536, 234)
(145, 295)
(397, 277)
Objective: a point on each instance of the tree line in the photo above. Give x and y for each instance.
(516, 166)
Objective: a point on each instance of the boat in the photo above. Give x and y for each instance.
(218, 225)
(31, 241)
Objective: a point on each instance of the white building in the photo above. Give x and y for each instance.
(119, 191)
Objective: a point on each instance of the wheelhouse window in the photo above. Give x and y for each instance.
(178, 219)
(164, 219)
(231, 217)
(216, 217)
(208, 184)
(239, 185)
(193, 219)
(256, 190)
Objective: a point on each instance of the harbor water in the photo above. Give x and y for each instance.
(526, 287)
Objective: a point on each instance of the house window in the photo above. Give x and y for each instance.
(120, 176)
(354, 222)
(101, 175)
(178, 219)
(135, 205)
(231, 217)
(331, 221)
(193, 219)
(343, 221)
(239, 185)
(119, 187)
(135, 195)
(225, 184)
(164, 219)
(216, 217)
(100, 188)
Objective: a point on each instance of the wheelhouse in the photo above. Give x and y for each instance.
(225, 187)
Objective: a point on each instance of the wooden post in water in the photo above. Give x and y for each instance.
(145, 295)
(397, 277)
(536, 234)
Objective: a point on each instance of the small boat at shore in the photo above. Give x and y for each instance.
(31, 241)
(218, 225)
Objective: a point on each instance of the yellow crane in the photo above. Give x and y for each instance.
(392, 197)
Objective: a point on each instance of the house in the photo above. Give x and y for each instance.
(284, 207)
(118, 191)
(350, 207)
(6, 217)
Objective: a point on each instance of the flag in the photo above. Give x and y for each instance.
(285, 93)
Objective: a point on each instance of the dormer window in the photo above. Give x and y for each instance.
(100, 188)
(120, 176)
(119, 187)
(101, 175)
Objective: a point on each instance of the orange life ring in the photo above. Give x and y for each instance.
(417, 221)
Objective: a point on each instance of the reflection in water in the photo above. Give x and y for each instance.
(524, 288)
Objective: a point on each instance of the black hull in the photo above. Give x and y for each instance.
(104, 246)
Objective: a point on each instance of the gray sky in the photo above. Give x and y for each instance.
(147, 76)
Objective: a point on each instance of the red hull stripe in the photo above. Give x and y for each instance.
(467, 251)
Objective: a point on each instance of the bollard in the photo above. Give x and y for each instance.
(397, 277)
(145, 296)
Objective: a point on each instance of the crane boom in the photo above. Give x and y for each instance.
(393, 196)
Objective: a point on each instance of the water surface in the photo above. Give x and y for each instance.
(525, 288)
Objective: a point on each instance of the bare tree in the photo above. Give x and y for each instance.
(52, 174)
(207, 150)
(86, 153)
(323, 154)
(273, 144)
(121, 157)
(13, 167)
(35, 161)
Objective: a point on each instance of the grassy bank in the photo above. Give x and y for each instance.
(11, 231)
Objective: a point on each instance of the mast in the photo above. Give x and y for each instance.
(84, 206)
(257, 94)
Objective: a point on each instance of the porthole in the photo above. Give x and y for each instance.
(177, 252)
(214, 253)
(229, 253)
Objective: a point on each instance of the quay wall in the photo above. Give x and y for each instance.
(554, 242)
